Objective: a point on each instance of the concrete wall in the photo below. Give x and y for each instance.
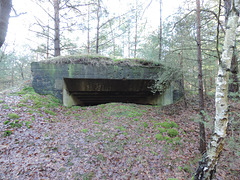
(48, 78)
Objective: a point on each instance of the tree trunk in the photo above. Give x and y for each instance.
(48, 39)
(5, 8)
(129, 41)
(160, 33)
(88, 31)
(136, 30)
(233, 86)
(113, 40)
(56, 29)
(207, 166)
(98, 27)
(182, 80)
(202, 147)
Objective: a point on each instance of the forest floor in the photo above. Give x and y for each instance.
(40, 139)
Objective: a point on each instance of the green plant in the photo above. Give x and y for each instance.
(1, 101)
(121, 128)
(187, 169)
(96, 122)
(6, 122)
(5, 106)
(173, 124)
(28, 124)
(180, 168)
(47, 111)
(176, 140)
(172, 179)
(145, 125)
(13, 116)
(21, 105)
(62, 169)
(154, 153)
(165, 124)
(167, 138)
(172, 132)
(84, 130)
(26, 90)
(100, 157)
(162, 130)
(159, 137)
(7, 133)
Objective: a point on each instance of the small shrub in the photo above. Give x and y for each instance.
(26, 90)
(5, 106)
(167, 138)
(6, 122)
(84, 130)
(7, 133)
(168, 125)
(50, 112)
(165, 125)
(162, 130)
(173, 124)
(176, 140)
(145, 124)
(12, 125)
(21, 105)
(157, 124)
(125, 133)
(172, 132)
(159, 137)
(121, 128)
(28, 124)
(13, 116)
(180, 168)
(187, 169)
(96, 122)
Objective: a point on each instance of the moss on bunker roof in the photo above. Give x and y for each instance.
(97, 59)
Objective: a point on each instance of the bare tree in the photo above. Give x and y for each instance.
(5, 8)
(207, 166)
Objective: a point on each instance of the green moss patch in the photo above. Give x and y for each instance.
(97, 59)
(13, 116)
(172, 132)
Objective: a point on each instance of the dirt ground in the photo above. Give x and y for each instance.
(41, 139)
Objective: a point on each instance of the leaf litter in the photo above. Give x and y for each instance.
(108, 141)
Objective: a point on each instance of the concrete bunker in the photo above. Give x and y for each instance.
(84, 80)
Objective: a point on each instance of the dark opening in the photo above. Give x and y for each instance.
(99, 91)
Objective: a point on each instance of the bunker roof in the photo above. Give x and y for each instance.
(97, 59)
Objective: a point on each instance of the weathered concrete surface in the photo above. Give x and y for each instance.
(87, 83)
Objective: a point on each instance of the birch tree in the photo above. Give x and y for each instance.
(207, 166)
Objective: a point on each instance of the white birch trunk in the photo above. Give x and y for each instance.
(207, 166)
